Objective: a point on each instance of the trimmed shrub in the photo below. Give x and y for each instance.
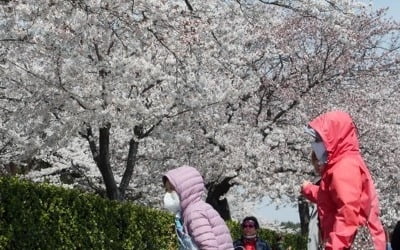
(43, 216)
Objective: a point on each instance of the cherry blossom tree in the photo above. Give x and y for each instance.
(102, 66)
(347, 61)
(136, 87)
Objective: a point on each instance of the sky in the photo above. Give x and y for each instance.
(394, 7)
(268, 211)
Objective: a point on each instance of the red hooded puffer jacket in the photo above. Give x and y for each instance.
(346, 196)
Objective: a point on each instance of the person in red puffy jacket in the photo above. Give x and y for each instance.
(346, 197)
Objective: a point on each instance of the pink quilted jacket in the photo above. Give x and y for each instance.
(203, 223)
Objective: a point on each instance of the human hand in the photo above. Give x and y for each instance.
(305, 183)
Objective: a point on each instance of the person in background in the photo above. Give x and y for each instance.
(346, 197)
(314, 236)
(395, 237)
(184, 189)
(388, 244)
(250, 239)
(279, 242)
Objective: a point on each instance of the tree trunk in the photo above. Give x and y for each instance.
(103, 164)
(304, 214)
(221, 206)
(215, 191)
(101, 156)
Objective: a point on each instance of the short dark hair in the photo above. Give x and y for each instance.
(164, 179)
(251, 218)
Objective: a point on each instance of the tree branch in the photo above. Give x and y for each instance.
(160, 40)
(130, 164)
(188, 5)
(92, 144)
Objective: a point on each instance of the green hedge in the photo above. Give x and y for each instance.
(43, 216)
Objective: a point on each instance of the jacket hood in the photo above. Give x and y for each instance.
(338, 132)
(188, 184)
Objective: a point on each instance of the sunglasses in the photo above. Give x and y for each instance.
(248, 225)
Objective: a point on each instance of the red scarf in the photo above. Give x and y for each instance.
(249, 244)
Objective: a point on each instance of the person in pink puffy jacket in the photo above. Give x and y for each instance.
(346, 197)
(201, 221)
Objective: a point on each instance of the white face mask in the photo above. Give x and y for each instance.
(320, 152)
(171, 202)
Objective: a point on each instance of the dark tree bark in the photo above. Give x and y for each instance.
(130, 165)
(215, 192)
(188, 5)
(304, 213)
(104, 166)
(101, 156)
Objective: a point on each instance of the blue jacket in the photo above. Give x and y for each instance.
(260, 245)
